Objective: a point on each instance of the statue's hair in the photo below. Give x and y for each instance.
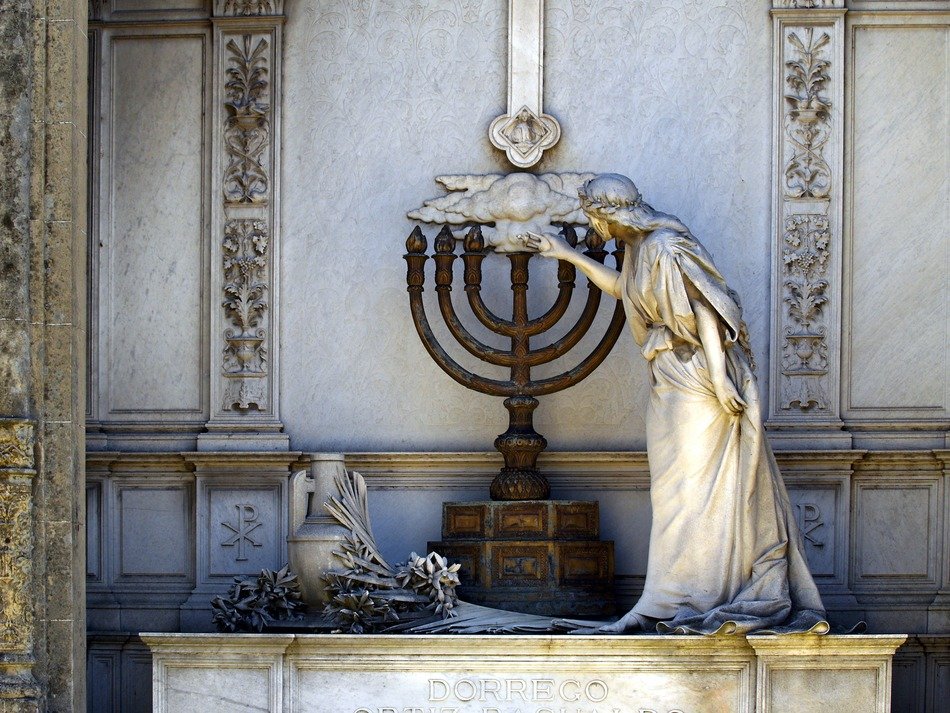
(617, 199)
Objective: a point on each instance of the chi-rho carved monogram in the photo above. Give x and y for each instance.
(247, 522)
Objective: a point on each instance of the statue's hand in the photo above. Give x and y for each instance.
(729, 397)
(553, 246)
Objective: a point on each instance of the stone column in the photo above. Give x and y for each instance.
(43, 53)
(808, 97)
(245, 194)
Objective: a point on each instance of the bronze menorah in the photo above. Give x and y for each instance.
(520, 445)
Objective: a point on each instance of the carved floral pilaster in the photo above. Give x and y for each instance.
(247, 127)
(807, 204)
(246, 305)
(245, 224)
(16, 535)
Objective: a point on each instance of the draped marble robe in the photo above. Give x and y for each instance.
(725, 552)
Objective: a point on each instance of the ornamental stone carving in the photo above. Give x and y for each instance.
(248, 46)
(247, 128)
(804, 349)
(16, 535)
(245, 255)
(807, 192)
(808, 4)
(248, 8)
(16, 443)
(807, 174)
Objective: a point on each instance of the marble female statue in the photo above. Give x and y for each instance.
(725, 552)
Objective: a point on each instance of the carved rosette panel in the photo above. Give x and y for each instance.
(16, 535)
(807, 194)
(246, 270)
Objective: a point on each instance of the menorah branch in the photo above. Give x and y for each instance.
(520, 445)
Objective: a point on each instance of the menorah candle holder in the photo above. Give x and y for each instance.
(520, 445)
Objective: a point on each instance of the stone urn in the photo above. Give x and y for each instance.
(314, 534)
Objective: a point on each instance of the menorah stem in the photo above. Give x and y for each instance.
(520, 342)
(520, 445)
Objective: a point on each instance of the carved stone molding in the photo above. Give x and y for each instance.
(525, 132)
(248, 8)
(245, 257)
(807, 205)
(808, 4)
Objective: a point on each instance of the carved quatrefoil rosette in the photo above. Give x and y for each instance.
(524, 136)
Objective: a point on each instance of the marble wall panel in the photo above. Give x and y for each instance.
(103, 671)
(136, 679)
(899, 306)
(152, 243)
(896, 533)
(154, 532)
(381, 97)
(94, 531)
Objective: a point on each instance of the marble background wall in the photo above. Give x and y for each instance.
(380, 97)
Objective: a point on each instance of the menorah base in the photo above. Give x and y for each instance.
(537, 557)
(512, 484)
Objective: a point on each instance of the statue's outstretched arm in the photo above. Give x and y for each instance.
(554, 246)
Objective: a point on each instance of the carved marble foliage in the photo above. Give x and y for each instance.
(249, 49)
(808, 198)
(807, 174)
(805, 294)
(247, 128)
(247, 8)
(245, 258)
(808, 4)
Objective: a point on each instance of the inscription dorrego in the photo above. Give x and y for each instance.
(484, 694)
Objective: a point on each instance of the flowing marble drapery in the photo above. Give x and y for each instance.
(725, 551)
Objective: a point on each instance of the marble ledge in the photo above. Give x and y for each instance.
(502, 674)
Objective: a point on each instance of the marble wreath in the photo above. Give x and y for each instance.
(725, 552)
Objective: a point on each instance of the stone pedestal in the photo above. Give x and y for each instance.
(503, 674)
(535, 556)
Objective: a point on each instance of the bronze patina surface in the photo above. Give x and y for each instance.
(534, 556)
(520, 445)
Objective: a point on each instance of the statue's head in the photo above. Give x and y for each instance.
(608, 192)
(615, 209)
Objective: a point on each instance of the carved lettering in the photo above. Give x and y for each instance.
(247, 522)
